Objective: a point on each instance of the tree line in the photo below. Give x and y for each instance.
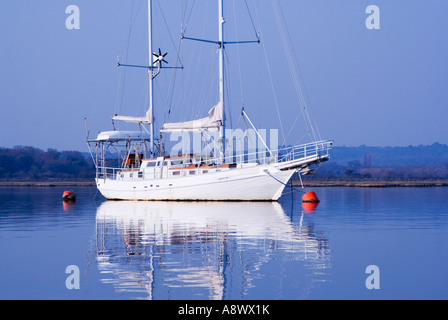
(24, 163)
(386, 163)
(355, 171)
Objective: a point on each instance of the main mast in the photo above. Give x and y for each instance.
(151, 87)
(221, 78)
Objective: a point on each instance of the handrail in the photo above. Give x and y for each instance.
(319, 149)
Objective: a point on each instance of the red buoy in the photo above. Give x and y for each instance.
(310, 197)
(69, 196)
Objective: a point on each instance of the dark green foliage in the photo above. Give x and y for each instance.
(31, 164)
(23, 163)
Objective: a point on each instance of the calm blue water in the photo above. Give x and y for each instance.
(178, 250)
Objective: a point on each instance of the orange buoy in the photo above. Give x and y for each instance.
(310, 197)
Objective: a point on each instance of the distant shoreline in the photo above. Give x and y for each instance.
(47, 184)
(375, 184)
(336, 183)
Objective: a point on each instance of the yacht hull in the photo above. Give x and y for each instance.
(259, 183)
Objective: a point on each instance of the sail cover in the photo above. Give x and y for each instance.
(211, 123)
(143, 120)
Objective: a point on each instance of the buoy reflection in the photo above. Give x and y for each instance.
(66, 205)
(309, 207)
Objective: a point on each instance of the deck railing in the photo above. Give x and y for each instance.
(317, 150)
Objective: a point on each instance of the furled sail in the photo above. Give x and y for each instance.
(143, 120)
(211, 123)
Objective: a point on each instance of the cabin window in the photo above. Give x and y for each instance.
(140, 174)
(204, 171)
(176, 173)
(192, 172)
(151, 164)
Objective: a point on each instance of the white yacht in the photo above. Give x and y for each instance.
(133, 165)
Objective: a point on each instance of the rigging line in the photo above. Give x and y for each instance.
(254, 145)
(294, 124)
(287, 48)
(206, 91)
(131, 21)
(109, 39)
(239, 119)
(206, 144)
(269, 73)
(307, 120)
(132, 18)
(273, 89)
(251, 20)
(315, 171)
(300, 74)
(196, 77)
(227, 92)
(184, 26)
(257, 10)
(118, 99)
(300, 139)
(161, 97)
(169, 32)
(170, 94)
(238, 54)
(120, 93)
(182, 79)
(294, 76)
(305, 95)
(197, 105)
(285, 184)
(145, 99)
(183, 87)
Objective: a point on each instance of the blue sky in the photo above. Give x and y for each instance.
(373, 87)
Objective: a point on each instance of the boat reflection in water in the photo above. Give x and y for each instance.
(207, 250)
